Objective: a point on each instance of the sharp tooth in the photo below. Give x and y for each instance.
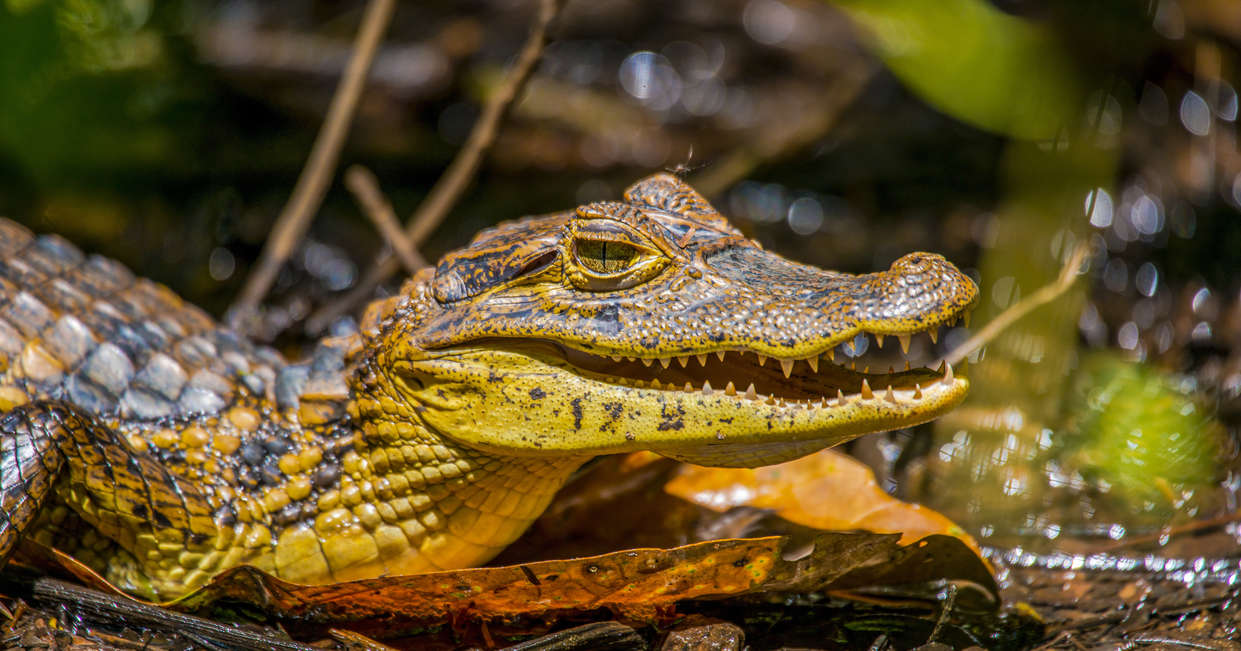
(823, 402)
(762, 359)
(771, 400)
(720, 354)
(750, 392)
(866, 370)
(689, 388)
(948, 375)
(934, 333)
(647, 362)
(683, 361)
(655, 384)
(615, 358)
(853, 364)
(702, 359)
(917, 392)
(840, 398)
(891, 370)
(706, 387)
(879, 340)
(890, 396)
(787, 366)
(813, 362)
(664, 362)
(904, 339)
(907, 366)
(630, 359)
(730, 389)
(866, 390)
(830, 354)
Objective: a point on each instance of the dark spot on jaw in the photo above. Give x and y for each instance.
(671, 418)
(577, 413)
(537, 394)
(614, 409)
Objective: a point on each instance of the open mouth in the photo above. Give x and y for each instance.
(893, 368)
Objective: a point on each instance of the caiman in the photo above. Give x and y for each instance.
(160, 448)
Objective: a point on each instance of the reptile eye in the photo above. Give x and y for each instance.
(603, 257)
(606, 255)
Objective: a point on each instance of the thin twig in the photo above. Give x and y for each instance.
(944, 612)
(1189, 528)
(365, 189)
(118, 608)
(457, 177)
(307, 195)
(1045, 294)
(781, 139)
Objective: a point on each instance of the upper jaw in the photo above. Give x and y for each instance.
(831, 378)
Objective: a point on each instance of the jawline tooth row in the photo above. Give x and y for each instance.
(866, 393)
(787, 365)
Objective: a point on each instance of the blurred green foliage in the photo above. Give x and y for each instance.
(89, 86)
(1143, 440)
(999, 72)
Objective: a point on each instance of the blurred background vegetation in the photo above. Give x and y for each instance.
(999, 132)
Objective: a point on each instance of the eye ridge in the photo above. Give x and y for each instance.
(605, 256)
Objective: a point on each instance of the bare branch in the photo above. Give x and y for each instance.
(365, 189)
(307, 195)
(457, 177)
(1044, 295)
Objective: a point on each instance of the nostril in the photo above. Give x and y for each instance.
(917, 262)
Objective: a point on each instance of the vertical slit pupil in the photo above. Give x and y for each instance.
(605, 257)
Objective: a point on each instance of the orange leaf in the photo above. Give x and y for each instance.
(637, 585)
(826, 490)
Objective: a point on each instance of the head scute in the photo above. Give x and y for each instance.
(498, 256)
(616, 210)
(670, 195)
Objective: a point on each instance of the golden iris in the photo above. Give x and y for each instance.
(604, 257)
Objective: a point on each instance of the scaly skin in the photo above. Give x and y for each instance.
(161, 449)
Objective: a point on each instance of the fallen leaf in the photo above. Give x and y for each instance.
(638, 585)
(827, 490)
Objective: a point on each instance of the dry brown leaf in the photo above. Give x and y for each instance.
(638, 585)
(827, 490)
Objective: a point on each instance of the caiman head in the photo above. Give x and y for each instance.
(654, 324)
